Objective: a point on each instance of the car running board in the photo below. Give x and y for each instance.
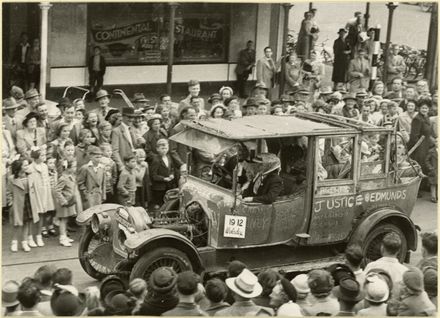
(308, 265)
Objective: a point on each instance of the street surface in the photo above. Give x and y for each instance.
(19, 265)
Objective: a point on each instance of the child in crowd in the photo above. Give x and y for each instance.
(23, 214)
(53, 179)
(127, 182)
(375, 147)
(82, 149)
(111, 171)
(431, 164)
(41, 188)
(142, 179)
(66, 197)
(92, 180)
(67, 153)
(105, 132)
(162, 173)
(56, 146)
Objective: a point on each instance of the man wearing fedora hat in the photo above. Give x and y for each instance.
(359, 71)
(341, 51)
(250, 107)
(103, 99)
(139, 100)
(32, 98)
(10, 107)
(349, 109)
(376, 296)
(123, 139)
(244, 287)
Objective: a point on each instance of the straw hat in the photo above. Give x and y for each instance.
(245, 284)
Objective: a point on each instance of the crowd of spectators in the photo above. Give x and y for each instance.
(384, 287)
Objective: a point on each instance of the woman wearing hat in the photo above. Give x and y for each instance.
(341, 51)
(218, 111)
(421, 126)
(226, 92)
(283, 299)
(293, 73)
(349, 110)
(31, 135)
(155, 133)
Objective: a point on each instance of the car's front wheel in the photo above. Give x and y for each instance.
(94, 254)
(373, 242)
(160, 257)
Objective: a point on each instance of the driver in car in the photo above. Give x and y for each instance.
(267, 185)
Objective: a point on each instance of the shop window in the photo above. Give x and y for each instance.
(137, 33)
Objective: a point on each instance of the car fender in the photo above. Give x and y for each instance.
(146, 240)
(85, 216)
(382, 216)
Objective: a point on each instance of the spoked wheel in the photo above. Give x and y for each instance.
(160, 257)
(374, 239)
(95, 255)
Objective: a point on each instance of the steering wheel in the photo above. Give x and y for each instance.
(219, 173)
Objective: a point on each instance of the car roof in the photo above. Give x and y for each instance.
(270, 126)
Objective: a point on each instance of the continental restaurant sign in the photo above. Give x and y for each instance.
(139, 28)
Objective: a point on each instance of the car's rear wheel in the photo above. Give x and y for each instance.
(160, 257)
(374, 239)
(94, 254)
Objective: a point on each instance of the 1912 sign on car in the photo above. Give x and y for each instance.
(330, 198)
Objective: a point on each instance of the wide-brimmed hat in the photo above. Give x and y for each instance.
(376, 289)
(17, 92)
(138, 113)
(245, 284)
(128, 111)
(342, 30)
(112, 301)
(326, 90)
(111, 283)
(251, 102)
(148, 107)
(226, 88)
(303, 91)
(153, 117)
(10, 103)
(111, 112)
(213, 97)
(270, 162)
(102, 93)
(362, 93)
(31, 94)
(9, 293)
(162, 280)
(348, 290)
(261, 85)
(349, 96)
(139, 98)
(28, 117)
(301, 284)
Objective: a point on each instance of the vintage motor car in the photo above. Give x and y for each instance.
(336, 193)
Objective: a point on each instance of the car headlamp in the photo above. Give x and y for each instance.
(100, 222)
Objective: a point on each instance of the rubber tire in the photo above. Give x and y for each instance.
(382, 230)
(83, 247)
(152, 256)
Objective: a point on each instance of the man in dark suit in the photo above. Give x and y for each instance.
(96, 67)
(123, 139)
(266, 186)
(246, 61)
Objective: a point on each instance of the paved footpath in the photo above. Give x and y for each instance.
(19, 265)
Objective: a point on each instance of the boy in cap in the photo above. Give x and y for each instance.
(348, 294)
(321, 284)
(187, 289)
(244, 287)
(92, 178)
(302, 289)
(127, 182)
(414, 301)
(162, 295)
